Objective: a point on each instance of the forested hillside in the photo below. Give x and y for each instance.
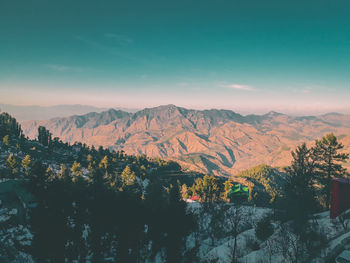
(71, 202)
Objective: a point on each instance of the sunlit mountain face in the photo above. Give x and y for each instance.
(219, 142)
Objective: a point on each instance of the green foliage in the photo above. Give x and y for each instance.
(64, 172)
(116, 220)
(49, 173)
(328, 160)
(207, 188)
(12, 165)
(104, 163)
(167, 165)
(9, 126)
(26, 163)
(227, 188)
(128, 177)
(168, 220)
(264, 228)
(6, 140)
(267, 183)
(299, 190)
(44, 136)
(184, 191)
(76, 171)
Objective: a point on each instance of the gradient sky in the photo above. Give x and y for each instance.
(246, 55)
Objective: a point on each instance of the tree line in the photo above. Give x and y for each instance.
(98, 204)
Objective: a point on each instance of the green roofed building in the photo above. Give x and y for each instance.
(238, 191)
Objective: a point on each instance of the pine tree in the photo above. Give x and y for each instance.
(44, 136)
(64, 172)
(128, 177)
(6, 140)
(328, 162)
(89, 159)
(198, 188)
(9, 125)
(12, 164)
(207, 189)
(76, 171)
(211, 188)
(104, 163)
(299, 190)
(227, 188)
(26, 163)
(179, 224)
(184, 191)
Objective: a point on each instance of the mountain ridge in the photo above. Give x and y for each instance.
(220, 142)
(35, 112)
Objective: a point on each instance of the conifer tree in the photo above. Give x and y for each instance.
(26, 163)
(44, 136)
(9, 125)
(64, 172)
(329, 161)
(37, 172)
(6, 140)
(184, 191)
(299, 190)
(211, 188)
(227, 188)
(104, 163)
(76, 171)
(90, 159)
(198, 189)
(12, 164)
(128, 177)
(49, 173)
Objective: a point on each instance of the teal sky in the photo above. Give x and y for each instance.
(246, 55)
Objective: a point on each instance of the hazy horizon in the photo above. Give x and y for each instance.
(242, 111)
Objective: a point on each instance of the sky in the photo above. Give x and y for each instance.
(246, 55)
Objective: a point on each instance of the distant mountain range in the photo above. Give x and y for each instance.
(23, 113)
(220, 142)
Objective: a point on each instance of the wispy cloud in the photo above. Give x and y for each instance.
(120, 39)
(240, 87)
(63, 68)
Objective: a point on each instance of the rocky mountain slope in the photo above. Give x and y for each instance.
(221, 142)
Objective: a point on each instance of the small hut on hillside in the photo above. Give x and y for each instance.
(238, 191)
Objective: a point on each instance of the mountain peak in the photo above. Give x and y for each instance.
(168, 107)
(273, 114)
(160, 111)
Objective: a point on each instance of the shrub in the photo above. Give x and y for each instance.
(264, 229)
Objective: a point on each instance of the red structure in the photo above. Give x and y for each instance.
(340, 198)
(195, 198)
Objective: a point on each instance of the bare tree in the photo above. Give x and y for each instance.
(271, 248)
(290, 245)
(236, 218)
